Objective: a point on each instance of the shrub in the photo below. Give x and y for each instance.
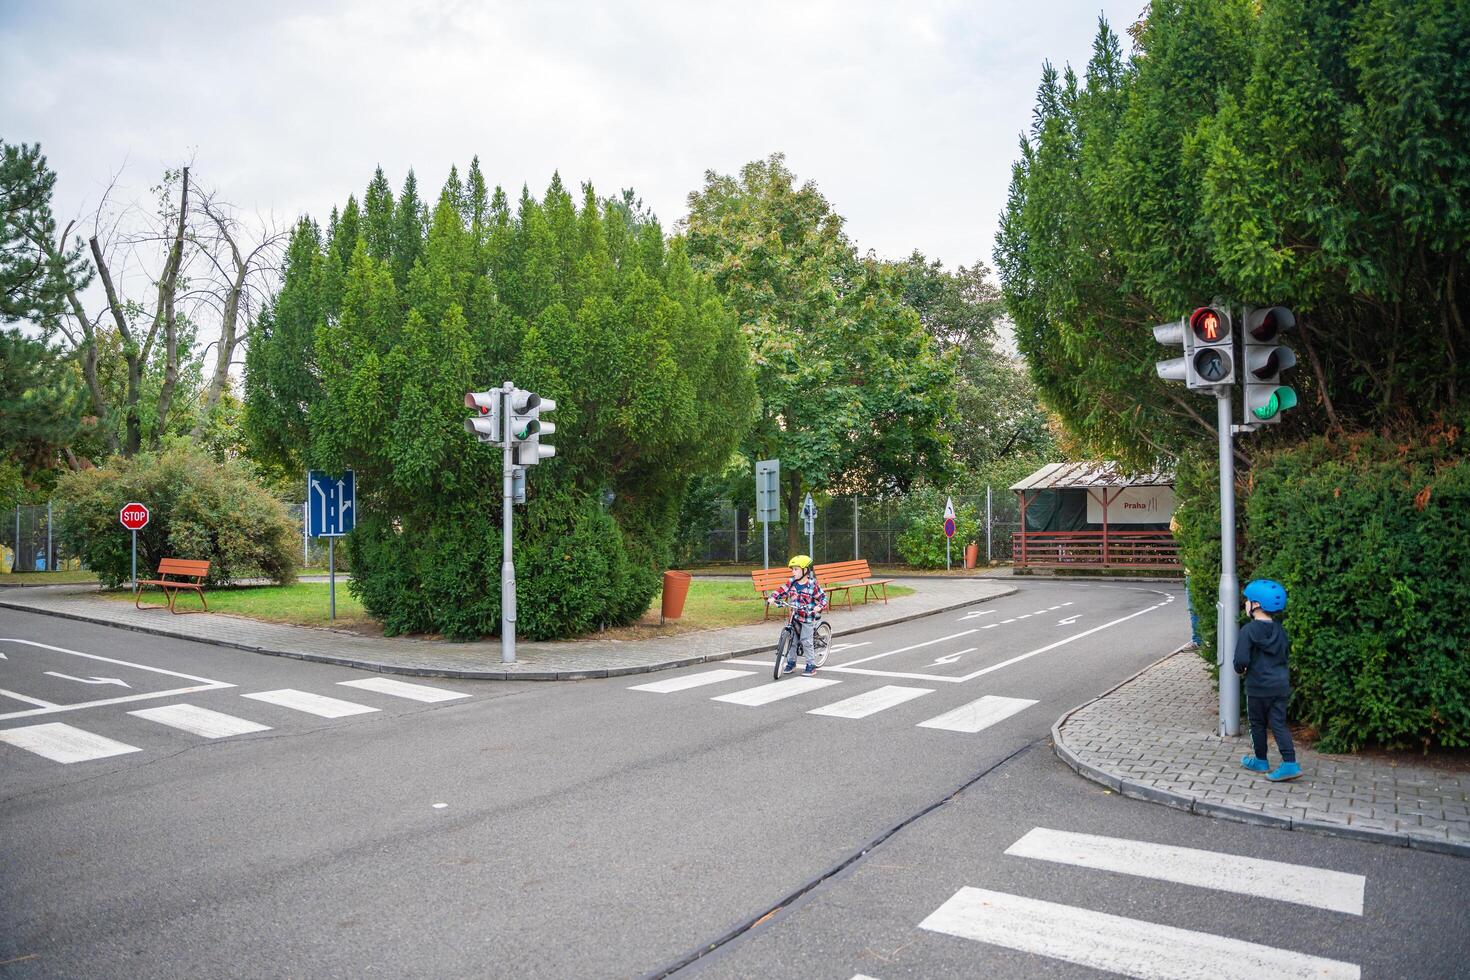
(199, 509)
(921, 543)
(1372, 540)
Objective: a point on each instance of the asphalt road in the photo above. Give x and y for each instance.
(632, 826)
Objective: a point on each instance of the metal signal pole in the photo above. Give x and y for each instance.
(1225, 624)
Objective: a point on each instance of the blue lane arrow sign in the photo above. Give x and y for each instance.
(331, 504)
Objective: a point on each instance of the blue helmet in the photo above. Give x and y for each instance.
(1269, 593)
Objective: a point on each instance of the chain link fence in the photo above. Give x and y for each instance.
(854, 527)
(32, 542)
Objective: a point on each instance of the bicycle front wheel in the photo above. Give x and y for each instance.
(822, 642)
(783, 645)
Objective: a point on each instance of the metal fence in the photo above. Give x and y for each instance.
(855, 527)
(29, 532)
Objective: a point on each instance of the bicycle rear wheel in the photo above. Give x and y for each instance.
(822, 642)
(782, 646)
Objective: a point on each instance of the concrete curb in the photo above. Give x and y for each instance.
(479, 675)
(1228, 811)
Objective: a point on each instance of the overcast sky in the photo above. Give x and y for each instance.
(906, 114)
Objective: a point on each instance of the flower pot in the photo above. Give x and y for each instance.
(676, 590)
(972, 554)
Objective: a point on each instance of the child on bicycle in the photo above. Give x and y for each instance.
(808, 600)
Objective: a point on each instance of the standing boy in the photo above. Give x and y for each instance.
(1261, 652)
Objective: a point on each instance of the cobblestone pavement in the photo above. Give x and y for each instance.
(1153, 738)
(565, 660)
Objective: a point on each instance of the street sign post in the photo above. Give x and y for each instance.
(809, 518)
(331, 512)
(948, 528)
(767, 499)
(134, 517)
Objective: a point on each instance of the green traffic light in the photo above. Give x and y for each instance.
(1282, 398)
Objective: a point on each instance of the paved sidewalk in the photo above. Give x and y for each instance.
(1153, 738)
(563, 660)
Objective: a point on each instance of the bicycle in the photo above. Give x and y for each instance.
(821, 642)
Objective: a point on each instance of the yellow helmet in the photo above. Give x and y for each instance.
(799, 561)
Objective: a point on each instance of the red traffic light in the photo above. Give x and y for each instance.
(1265, 324)
(1210, 325)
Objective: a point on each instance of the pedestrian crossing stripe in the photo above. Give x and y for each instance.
(1335, 891)
(63, 743)
(403, 689)
(978, 715)
(871, 702)
(200, 721)
(312, 704)
(754, 697)
(691, 680)
(1132, 947)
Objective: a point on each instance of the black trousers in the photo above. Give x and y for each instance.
(1271, 711)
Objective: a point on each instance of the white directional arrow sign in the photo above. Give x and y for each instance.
(951, 658)
(92, 680)
(1069, 620)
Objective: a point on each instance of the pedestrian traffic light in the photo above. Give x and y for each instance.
(1174, 334)
(1265, 357)
(1212, 362)
(527, 427)
(486, 425)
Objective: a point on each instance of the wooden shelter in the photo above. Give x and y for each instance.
(1093, 515)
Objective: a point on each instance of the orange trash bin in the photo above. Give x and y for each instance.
(676, 590)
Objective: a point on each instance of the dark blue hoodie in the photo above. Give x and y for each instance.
(1261, 649)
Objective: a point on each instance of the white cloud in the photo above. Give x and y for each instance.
(906, 115)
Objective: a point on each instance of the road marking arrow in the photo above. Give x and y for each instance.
(952, 657)
(973, 615)
(1069, 620)
(95, 680)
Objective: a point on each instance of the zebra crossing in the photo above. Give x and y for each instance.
(1137, 947)
(67, 744)
(969, 718)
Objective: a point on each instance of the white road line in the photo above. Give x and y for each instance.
(1131, 947)
(871, 702)
(916, 646)
(691, 680)
(990, 626)
(940, 678)
(200, 721)
(977, 715)
(28, 699)
(312, 704)
(403, 689)
(754, 697)
(63, 743)
(1336, 891)
(204, 684)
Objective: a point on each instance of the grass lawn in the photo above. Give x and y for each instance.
(304, 603)
(48, 578)
(710, 605)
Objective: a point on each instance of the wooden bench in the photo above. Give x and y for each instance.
(181, 568)
(768, 580)
(844, 576)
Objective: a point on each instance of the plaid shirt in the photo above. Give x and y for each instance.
(808, 598)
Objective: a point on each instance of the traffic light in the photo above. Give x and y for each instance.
(1212, 362)
(1264, 359)
(486, 425)
(527, 427)
(1174, 334)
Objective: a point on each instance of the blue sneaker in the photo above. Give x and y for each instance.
(790, 666)
(809, 670)
(1254, 764)
(1285, 771)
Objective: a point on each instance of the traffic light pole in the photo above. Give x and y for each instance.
(507, 563)
(1225, 625)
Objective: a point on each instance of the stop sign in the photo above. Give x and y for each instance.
(134, 516)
